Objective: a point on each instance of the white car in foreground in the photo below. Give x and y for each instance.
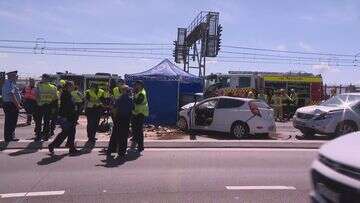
(336, 116)
(238, 116)
(336, 173)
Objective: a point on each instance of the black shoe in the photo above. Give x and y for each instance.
(37, 139)
(14, 139)
(73, 151)
(51, 150)
(140, 149)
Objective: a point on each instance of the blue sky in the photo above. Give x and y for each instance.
(331, 26)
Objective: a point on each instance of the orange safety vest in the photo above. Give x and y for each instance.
(29, 93)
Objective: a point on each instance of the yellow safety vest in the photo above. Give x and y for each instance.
(94, 100)
(76, 96)
(47, 93)
(117, 92)
(142, 108)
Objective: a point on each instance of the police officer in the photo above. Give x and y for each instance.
(47, 97)
(78, 99)
(11, 105)
(122, 112)
(141, 110)
(29, 97)
(94, 98)
(68, 116)
(55, 109)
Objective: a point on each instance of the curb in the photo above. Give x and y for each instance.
(284, 144)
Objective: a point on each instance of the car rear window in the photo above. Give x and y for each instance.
(230, 103)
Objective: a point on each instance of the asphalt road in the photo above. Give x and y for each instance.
(159, 175)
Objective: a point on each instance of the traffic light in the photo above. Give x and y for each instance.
(218, 45)
(175, 52)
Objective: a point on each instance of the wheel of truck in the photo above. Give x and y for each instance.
(239, 130)
(308, 134)
(182, 124)
(345, 128)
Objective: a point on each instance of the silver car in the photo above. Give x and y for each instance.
(336, 116)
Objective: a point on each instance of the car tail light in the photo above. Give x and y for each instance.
(254, 109)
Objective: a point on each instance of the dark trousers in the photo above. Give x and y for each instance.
(11, 118)
(69, 133)
(42, 115)
(93, 117)
(137, 125)
(53, 118)
(30, 107)
(119, 136)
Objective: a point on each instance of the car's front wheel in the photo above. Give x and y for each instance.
(239, 130)
(308, 134)
(182, 124)
(345, 128)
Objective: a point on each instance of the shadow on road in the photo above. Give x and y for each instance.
(32, 147)
(111, 162)
(300, 137)
(88, 147)
(51, 159)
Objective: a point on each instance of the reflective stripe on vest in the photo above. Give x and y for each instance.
(142, 108)
(47, 93)
(29, 93)
(94, 100)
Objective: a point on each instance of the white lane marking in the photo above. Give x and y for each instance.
(190, 149)
(232, 149)
(271, 187)
(32, 194)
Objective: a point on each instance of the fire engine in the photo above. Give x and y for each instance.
(238, 83)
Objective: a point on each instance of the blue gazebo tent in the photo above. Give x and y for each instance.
(165, 84)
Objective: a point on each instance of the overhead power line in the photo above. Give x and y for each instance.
(290, 52)
(86, 55)
(84, 43)
(273, 62)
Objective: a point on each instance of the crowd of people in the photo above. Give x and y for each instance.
(50, 104)
(284, 104)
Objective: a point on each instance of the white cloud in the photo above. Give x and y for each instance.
(305, 46)
(324, 68)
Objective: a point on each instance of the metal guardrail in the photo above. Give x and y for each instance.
(200, 18)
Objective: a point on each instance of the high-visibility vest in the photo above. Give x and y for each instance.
(94, 100)
(117, 92)
(29, 93)
(294, 98)
(77, 97)
(142, 108)
(47, 93)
